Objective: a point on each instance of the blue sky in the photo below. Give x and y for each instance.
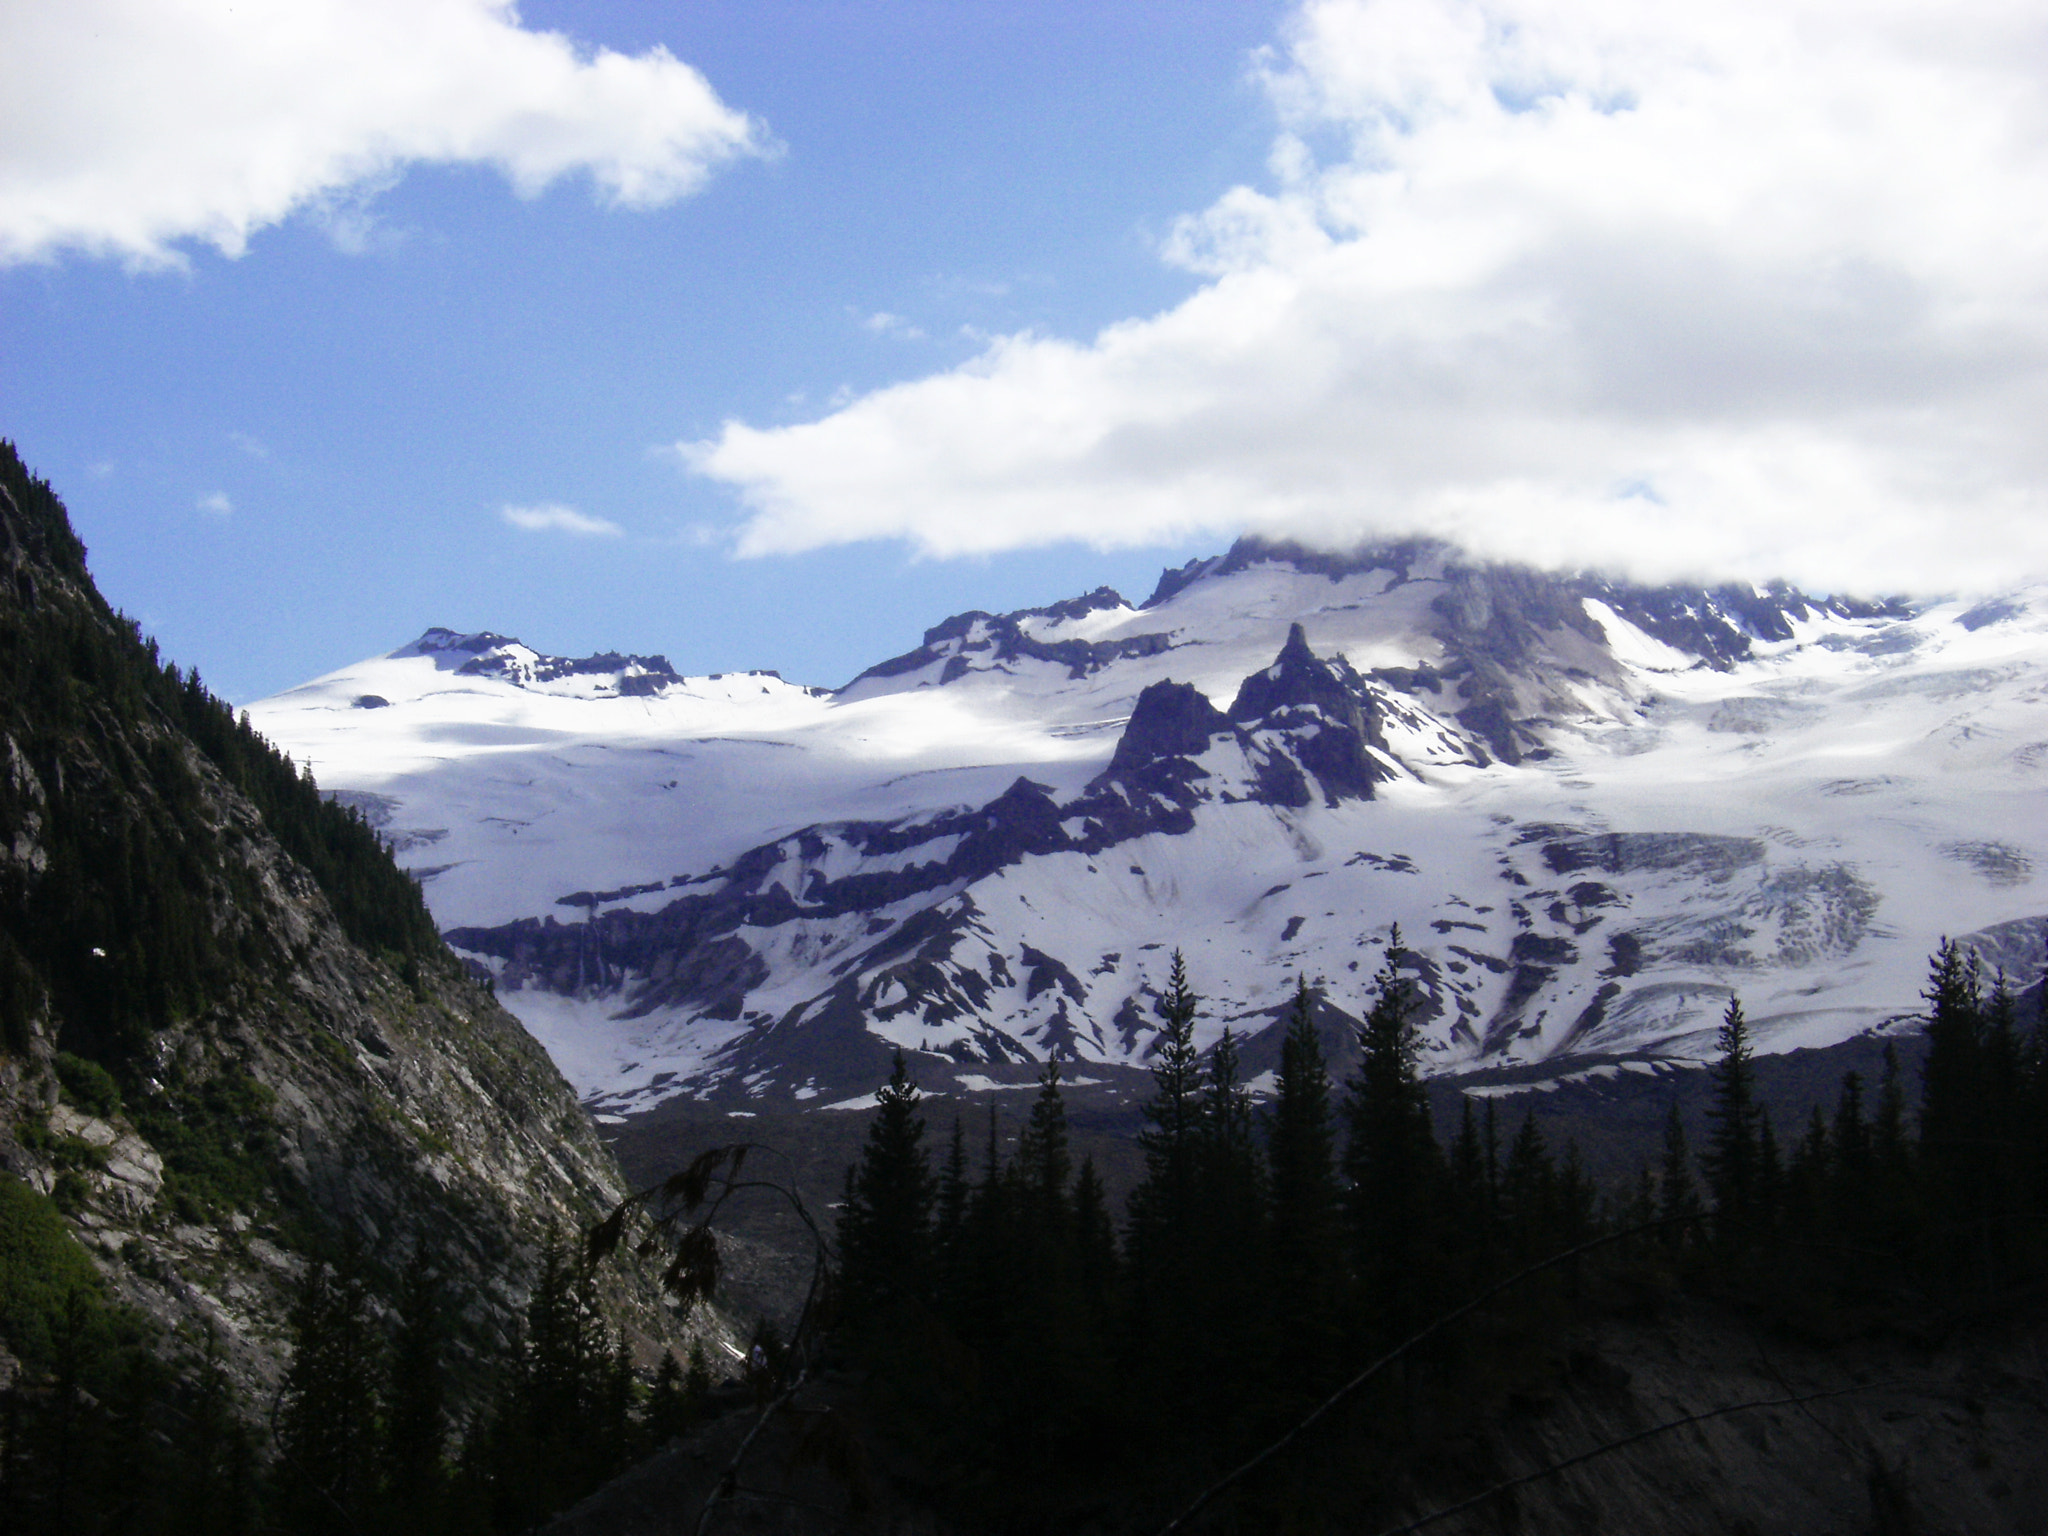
(774, 348)
(367, 414)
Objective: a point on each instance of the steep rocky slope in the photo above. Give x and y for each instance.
(1931, 1437)
(232, 1039)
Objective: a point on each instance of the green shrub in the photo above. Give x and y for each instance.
(42, 1270)
(70, 1193)
(88, 1085)
(217, 1141)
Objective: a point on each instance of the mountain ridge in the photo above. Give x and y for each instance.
(1597, 810)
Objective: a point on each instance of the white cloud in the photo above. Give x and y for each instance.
(1754, 288)
(217, 505)
(553, 517)
(130, 125)
(882, 323)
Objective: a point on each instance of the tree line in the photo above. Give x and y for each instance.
(1049, 1361)
(1027, 1358)
(103, 1431)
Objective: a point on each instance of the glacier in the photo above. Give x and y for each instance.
(1595, 810)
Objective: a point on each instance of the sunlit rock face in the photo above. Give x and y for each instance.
(1595, 810)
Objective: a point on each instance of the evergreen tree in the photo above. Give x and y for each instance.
(1174, 1112)
(1577, 1202)
(1094, 1243)
(986, 1266)
(1391, 1160)
(1849, 1139)
(1163, 1209)
(415, 1425)
(885, 1222)
(1733, 1157)
(950, 1208)
(327, 1420)
(1953, 1073)
(1227, 1158)
(1230, 1206)
(2034, 1125)
(1959, 1103)
(559, 1427)
(1042, 1160)
(1045, 1351)
(215, 1471)
(1303, 1245)
(1529, 1194)
(1677, 1195)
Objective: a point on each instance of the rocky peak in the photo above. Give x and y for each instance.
(1300, 679)
(996, 642)
(489, 654)
(1169, 720)
(439, 642)
(1322, 711)
(1400, 557)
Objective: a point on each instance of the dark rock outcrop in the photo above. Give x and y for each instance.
(984, 642)
(1324, 711)
(1170, 720)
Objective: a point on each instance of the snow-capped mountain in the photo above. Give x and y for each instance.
(1595, 810)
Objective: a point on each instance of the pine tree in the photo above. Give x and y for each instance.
(1849, 1139)
(1042, 1160)
(1391, 1159)
(1094, 1242)
(558, 1429)
(1770, 1179)
(1045, 1350)
(415, 1426)
(1809, 1180)
(1303, 1246)
(1229, 1238)
(668, 1411)
(1894, 1173)
(1227, 1157)
(1677, 1197)
(214, 1467)
(1164, 1213)
(1174, 1112)
(1733, 1157)
(327, 1419)
(986, 1267)
(1529, 1193)
(1576, 1199)
(1958, 1118)
(949, 1225)
(950, 1210)
(2034, 1124)
(885, 1222)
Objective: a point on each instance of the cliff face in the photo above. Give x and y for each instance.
(231, 1039)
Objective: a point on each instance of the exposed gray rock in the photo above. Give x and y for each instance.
(361, 1109)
